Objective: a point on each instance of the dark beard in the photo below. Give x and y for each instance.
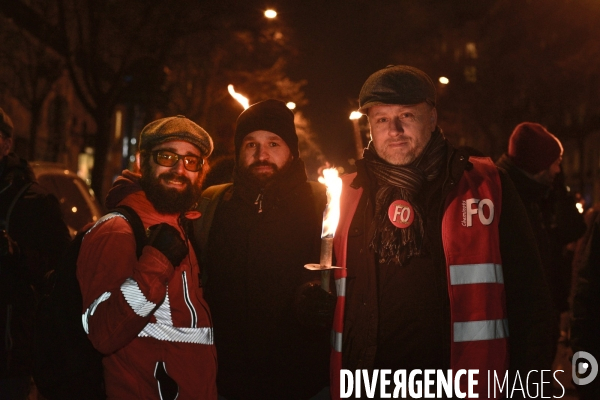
(168, 200)
(262, 181)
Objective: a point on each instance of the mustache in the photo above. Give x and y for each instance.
(262, 164)
(399, 139)
(170, 176)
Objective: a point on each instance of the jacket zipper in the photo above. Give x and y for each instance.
(259, 200)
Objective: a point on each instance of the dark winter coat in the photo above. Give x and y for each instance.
(398, 317)
(585, 324)
(257, 249)
(36, 225)
(555, 222)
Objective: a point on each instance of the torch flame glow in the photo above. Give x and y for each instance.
(241, 99)
(331, 216)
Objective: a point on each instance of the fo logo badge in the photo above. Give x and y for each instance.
(585, 368)
(477, 207)
(401, 214)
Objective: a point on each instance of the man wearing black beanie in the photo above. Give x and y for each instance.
(266, 226)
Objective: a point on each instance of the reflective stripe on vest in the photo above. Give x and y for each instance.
(174, 334)
(480, 330)
(476, 273)
(336, 341)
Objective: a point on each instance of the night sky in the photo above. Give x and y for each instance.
(340, 47)
(342, 42)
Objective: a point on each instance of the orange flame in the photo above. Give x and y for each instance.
(241, 99)
(331, 216)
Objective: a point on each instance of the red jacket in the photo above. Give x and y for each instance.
(143, 314)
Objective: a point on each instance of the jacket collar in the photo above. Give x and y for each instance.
(283, 187)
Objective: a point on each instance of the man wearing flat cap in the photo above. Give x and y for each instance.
(439, 266)
(147, 315)
(266, 227)
(533, 164)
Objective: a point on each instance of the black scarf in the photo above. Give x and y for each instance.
(402, 183)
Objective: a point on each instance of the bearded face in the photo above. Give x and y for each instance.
(262, 173)
(171, 190)
(263, 157)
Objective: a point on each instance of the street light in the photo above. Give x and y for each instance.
(291, 105)
(270, 13)
(355, 116)
(444, 81)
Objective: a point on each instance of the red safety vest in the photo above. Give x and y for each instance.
(474, 268)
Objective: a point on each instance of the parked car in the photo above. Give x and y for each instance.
(77, 201)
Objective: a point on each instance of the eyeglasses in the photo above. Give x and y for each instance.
(170, 159)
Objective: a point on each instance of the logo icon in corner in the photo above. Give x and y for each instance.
(585, 368)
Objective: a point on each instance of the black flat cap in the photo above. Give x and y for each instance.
(396, 84)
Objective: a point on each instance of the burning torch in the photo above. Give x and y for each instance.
(240, 99)
(331, 217)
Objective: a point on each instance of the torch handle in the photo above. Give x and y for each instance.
(326, 258)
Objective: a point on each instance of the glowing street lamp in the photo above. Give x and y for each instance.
(241, 99)
(291, 105)
(444, 81)
(270, 13)
(355, 116)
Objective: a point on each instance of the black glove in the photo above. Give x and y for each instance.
(8, 247)
(314, 307)
(166, 239)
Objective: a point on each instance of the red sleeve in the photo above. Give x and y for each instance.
(119, 291)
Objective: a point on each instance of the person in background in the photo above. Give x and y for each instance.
(440, 267)
(266, 227)
(33, 237)
(533, 164)
(148, 315)
(585, 311)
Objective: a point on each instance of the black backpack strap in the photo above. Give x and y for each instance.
(136, 225)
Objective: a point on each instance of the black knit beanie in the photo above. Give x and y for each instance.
(269, 115)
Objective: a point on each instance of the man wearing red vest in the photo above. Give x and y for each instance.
(440, 269)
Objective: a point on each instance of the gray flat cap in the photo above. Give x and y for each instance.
(175, 128)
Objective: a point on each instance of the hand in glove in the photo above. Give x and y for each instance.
(313, 306)
(166, 239)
